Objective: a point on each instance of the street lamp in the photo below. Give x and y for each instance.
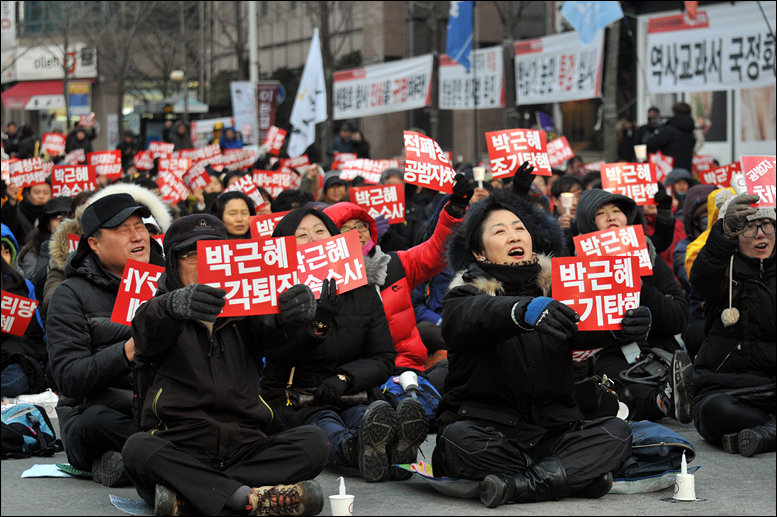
(179, 76)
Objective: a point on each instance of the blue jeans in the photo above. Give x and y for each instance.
(14, 381)
(337, 426)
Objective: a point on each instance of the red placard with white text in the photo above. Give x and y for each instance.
(253, 272)
(175, 166)
(75, 157)
(720, 176)
(210, 154)
(247, 186)
(594, 166)
(263, 225)
(273, 182)
(160, 239)
(172, 188)
(72, 242)
(388, 200)
(559, 151)
(108, 163)
(370, 170)
(634, 180)
(600, 290)
(157, 148)
(300, 164)
(702, 162)
(274, 140)
(17, 312)
(71, 180)
(426, 164)
(196, 177)
(235, 159)
(53, 144)
(760, 178)
(664, 164)
(339, 257)
(86, 120)
(28, 172)
(138, 285)
(143, 160)
(6, 166)
(341, 158)
(508, 149)
(628, 241)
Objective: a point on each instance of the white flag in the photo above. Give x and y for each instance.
(310, 104)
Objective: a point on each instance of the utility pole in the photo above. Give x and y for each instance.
(253, 53)
(434, 108)
(610, 113)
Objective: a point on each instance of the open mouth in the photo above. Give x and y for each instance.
(516, 252)
(139, 249)
(613, 225)
(762, 246)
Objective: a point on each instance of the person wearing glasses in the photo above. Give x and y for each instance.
(733, 381)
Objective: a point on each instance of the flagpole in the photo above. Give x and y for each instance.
(473, 64)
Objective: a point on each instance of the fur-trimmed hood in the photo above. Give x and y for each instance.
(58, 245)
(144, 197)
(493, 287)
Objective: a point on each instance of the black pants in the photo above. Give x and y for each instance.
(721, 413)
(289, 457)
(97, 430)
(591, 448)
(643, 405)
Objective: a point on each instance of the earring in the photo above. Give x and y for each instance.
(481, 259)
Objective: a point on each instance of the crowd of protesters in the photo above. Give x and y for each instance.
(254, 407)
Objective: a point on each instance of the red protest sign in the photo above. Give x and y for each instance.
(86, 120)
(72, 242)
(274, 140)
(295, 167)
(508, 149)
(196, 177)
(628, 241)
(174, 166)
(663, 163)
(426, 164)
(600, 290)
(370, 170)
(247, 186)
(210, 155)
(157, 148)
(138, 285)
(559, 151)
(634, 180)
(26, 173)
(53, 144)
(108, 163)
(263, 225)
(253, 272)
(70, 180)
(594, 166)
(143, 160)
(720, 176)
(339, 257)
(160, 239)
(273, 182)
(388, 200)
(17, 311)
(6, 165)
(235, 159)
(760, 177)
(172, 188)
(75, 157)
(341, 158)
(702, 162)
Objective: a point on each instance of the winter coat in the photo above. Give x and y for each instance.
(405, 270)
(21, 218)
(72, 142)
(427, 297)
(180, 141)
(341, 146)
(226, 144)
(675, 139)
(29, 147)
(743, 354)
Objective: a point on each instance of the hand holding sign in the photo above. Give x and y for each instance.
(427, 165)
(196, 302)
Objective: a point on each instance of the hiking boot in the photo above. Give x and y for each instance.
(751, 441)
(412, 427)
(169, 502)
(350, 448)
(542, 481)
(303, 498)
(674, 397)
(596, 488)
(109, 469)
(378, 429)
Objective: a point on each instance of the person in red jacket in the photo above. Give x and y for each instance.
(397, 273)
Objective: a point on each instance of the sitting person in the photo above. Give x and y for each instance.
(197, 377)
(733, 381)
(509, 417)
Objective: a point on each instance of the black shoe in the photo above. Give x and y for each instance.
(350, 448)
(412, 426)
(303, 498)
(731, 443)
(543, 481)
(378, 429)
(596, 488)
(757, 439)
(109, 469)
(675, 397)
(169, 502)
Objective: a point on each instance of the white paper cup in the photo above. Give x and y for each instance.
(739, 184)
(684, 489)
(341, 504)
(640, 151)
(479, 173)
(408, 380)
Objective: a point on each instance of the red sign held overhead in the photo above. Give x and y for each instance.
(508, 149)
(388, 200)
(559, 151)
(234, 159)
(196, 178)
(85, 120)
(339, 257)
(144, 161)
(17, 312)
(370, 170)
(426, 164)
(274, 140)
(721, 176)
(341, 158)
(247, 186)
(634, 180)
(759, 174)
(172, 187)
(108, 163)
(53, 144)
(627, 241)
(29, 172)
(157, 148)
(702, 162)
(174, 166)
(263, 225)
(210, 155)
(273, 182)
(71, 180)
(663, 164)
(75, 157)
(138, 285)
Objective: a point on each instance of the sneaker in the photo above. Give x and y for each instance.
(674, 398)
(303, 498)
(378, 429)
(109, 469)
(350, 448)
(169, 502)
(413, 426)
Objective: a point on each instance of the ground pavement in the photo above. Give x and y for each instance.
(731, 485)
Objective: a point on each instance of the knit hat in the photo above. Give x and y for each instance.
(762, 213)
(592, 200)
(182, 237)
(676, 175)
(332, 178)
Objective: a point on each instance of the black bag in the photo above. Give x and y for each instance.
(652, 368)
(27, 431)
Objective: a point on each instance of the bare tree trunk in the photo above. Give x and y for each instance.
(326, 55)
(610, 113)
(240, 47)
(434, 109)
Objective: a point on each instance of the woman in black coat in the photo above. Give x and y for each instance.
(338, 371)
(509, 416)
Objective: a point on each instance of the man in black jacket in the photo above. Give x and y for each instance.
(675, 138)
(91, 356)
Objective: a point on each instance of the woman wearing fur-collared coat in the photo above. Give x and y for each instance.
(509, 417)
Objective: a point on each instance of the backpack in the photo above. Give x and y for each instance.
(27, 431)
(655, 449)
(427, 395)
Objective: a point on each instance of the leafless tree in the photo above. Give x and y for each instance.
(510, 14)
(232, 24)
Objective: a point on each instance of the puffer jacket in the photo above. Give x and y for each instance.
(405, 270)
(180, 142)
(675, 139)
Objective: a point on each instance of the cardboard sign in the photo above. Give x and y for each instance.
(273, 182)
(702, 163)
(634, 180)
(370, 170)
(600, 290)
(53, 144)
(274, 140)
(721, 176)
(263, 225)
(339, 257)
(247, 186)
(29, 172)
(138, 285)
(388, 200)
(628, 241)
(341, 158)
(143, 160)
(108, 163)
(234, 159)
(760, 178)
(196, 178)
(72, 242)
(17, 311)
(160, 148)
(253, 272)
(86, 120)
(6, 166)
(70, 180)
(664, 164)
(210, 154)
(508, 149)
(172, 188)
(559, 151)
(175, 166)
(75, 157)
(426, 165)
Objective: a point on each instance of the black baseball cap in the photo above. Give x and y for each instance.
(110, 212)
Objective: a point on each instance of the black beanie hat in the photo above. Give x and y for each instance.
(592, 200)
(182, 237)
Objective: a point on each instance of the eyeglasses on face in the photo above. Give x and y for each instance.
(190, 257)
(752, 229)
(360, 226)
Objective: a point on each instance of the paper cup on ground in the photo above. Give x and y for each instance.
(684, 489)
(640, 151)
(341, 504)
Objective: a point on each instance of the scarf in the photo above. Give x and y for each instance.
(518, 279)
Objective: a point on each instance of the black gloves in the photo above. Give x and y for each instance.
(297, 304)
(329, 304)
(523, 179)
(196, 302)
(662, 199)
(735, 221)
(548, 316)
(635, 325)
(330, 391)
(462, 193)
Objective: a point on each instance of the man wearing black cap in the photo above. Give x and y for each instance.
(343, 143)
(91, 357)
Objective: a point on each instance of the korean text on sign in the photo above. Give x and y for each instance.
(388, 200)
(663, 163)
(634, 180)
(253, 272)
(157, 148)
(510, 148)
(72, 179)
(247, 186)
(626, 241)
(75, 157)
(370, 170)
(17, 311)
(29, 172)
(263, 225)
(559, 151)
(600, 290)
(426, 164)
(235, 159)
(108, 163)
(53, 144)
(196, 178)
(273, 182)
(274, 140)
(171, 187)
(759, 174)
(720, 176)
(144, 161)
(138, 285)
(339, 257)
